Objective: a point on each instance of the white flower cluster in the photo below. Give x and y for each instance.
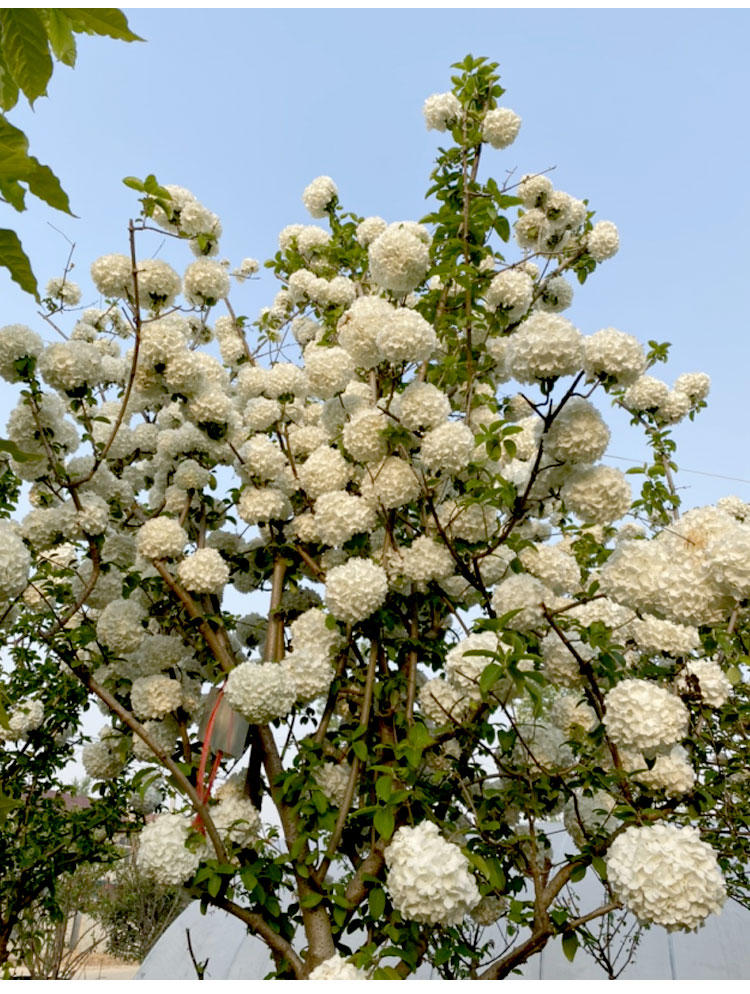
(204, 572)
(713, 685)
(425, 560)
(527, 596)
(675, 573)
(161, 538)
(399, 257)
(444, 703)
(393, 483)
(511, 291)
(329, 370)
(337, 968)
(656, 635)
(405, 336)
(311, 673)
(428, 878)
(421, 405)
(578, 434)
(119, 626)
(235, 816)
(614, 354)
(603, 241)
(500, 127)
(464, 670)
(447, 448)
(355, 590)
(544, 346)
(441, 111)
(205, 283)
(163, 853)
(24, 718)
(339, 516)
(333, 779)
(318, 195)
(666, 875)
(17, 345)
(15, 563)
(155, 696)
(554, 566)
(672, 772)
(597, 494)
(642, 715)
(261, 692)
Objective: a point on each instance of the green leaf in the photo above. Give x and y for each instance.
(12, 449)
(570, 945)
(310, 900)
(8, 87)
(134, 183)
(7, 804)
(384, 822)
(60, 34)
(13, 193)
(376, 902)
(108, 21)
(26, 50)
(15, 260)
(384, 787)
(16, 164)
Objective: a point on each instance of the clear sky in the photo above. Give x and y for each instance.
(641, 111)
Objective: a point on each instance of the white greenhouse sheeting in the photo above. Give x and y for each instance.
(718, 951)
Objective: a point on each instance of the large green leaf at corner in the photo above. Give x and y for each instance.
(14, 259)
(60, 33)
(16, 164)
(107, 21)
(26, 50)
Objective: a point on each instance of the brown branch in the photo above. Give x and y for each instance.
(256, 923)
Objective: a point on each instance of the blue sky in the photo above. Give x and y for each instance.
(641, 111)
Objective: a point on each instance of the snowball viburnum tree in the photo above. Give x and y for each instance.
(354, 577)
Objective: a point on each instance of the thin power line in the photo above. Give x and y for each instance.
(681, 469)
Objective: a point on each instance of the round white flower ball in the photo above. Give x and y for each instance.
(527, 596)
(399, 259)
(17, 345)
(512, 291)
(161, 538)
(155, 696)
(639, 714)
(355, 590)
(544, 346)
(358, 329)
(405, 336)
(597, 494)
(713, 685)
(204, 572)
(447, 448)
(421, 405)
(205, 283)
(163, 853)
(393, 483)
(441, 111)
(337, 968)
(500, 127)
(609, 352)
(113, 275)
(15, 563)
(261, 692)
(119, 626)
(428, 878)
(318, 195)
(666, 875)
(603, 241)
